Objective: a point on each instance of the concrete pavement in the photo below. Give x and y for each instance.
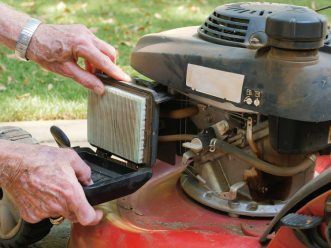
(77, 133)
(75, 129)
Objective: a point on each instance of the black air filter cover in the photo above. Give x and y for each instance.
(297, 28)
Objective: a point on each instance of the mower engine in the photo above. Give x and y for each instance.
(244, 99)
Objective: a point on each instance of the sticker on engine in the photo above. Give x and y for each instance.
(329, 140)
(218, 83)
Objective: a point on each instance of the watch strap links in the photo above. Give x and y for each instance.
(25, 37)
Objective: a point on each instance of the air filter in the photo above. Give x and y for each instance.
(121, 122)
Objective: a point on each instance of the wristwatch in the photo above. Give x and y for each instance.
(25, 37)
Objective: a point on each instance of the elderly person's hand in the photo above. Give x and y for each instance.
(58, 47)
(44, 182)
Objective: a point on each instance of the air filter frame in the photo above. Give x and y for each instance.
(153, 98)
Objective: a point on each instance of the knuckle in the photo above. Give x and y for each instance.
(83, 38)
(82, 41)
(81, 27)
(113, 51)
(30, 217)
(41, 215)
(71, 155)
(80, 45)
(70, 152)
(55, 209)
(68, 193)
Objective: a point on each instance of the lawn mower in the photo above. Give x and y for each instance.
(227, 145)
(235, 128)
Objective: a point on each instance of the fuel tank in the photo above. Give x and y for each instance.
(287, 83)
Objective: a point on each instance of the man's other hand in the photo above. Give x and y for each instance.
(46, 182)
(58, 47)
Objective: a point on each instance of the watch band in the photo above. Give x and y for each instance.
(25, 37)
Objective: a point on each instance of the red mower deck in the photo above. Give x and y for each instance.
(160, 215)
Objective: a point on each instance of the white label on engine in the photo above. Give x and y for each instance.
(329, 140)
(221, 84)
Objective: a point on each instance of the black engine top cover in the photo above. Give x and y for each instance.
(288, 83)
(256, 24)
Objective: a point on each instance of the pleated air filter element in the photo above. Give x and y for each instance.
(118, 122)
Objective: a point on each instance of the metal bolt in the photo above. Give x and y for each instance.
(252, 206)
(212, 145)
(138, 212)
(257, 102)
(255, 41)
(232, 215)
(233, 204)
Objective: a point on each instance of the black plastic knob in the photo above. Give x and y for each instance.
(299, 28)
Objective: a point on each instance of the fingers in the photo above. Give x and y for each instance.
(77, 206)
(73, 205)
(84, 212)
(102, 62)
(77, 209)
(47, 186)
(107, 49)
(75, 41)
(81, 169)
(83, 77)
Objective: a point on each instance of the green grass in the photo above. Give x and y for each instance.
(28, 93)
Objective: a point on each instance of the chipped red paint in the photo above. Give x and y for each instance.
(323, 162)
(160, 215)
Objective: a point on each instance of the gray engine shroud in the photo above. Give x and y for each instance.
(293, 84)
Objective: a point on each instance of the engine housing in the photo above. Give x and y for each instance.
(285, 76)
